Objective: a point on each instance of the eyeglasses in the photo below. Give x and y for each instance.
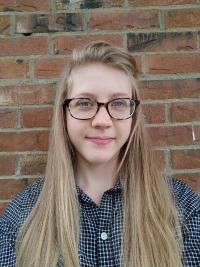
(86, 108)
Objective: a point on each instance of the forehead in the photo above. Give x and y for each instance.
(99, 80)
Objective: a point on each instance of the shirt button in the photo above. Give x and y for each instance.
(104, 236)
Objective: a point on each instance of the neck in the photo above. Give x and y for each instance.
(95, 179)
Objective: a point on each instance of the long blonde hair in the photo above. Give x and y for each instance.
(150, 219)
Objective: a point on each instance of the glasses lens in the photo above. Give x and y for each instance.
(83, 108)
(121, 108)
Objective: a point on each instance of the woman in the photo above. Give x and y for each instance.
(103, 202)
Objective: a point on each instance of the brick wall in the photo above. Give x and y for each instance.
(36, 38)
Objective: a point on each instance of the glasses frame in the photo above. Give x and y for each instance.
(99, 104)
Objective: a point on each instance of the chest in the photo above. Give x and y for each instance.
(100, 232)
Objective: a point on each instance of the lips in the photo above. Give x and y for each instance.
(100, 140)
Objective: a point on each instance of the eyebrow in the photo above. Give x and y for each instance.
(87, 94)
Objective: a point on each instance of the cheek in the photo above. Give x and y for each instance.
(75, 129)
(71, 127)
(126, 130)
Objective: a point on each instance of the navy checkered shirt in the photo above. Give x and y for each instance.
(101, 226)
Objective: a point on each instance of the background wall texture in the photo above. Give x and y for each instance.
(36, 39)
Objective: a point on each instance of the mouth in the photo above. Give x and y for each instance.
(100, 140)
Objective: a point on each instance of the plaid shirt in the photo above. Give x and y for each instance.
(101, 227)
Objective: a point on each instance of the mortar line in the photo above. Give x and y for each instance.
(162, 20)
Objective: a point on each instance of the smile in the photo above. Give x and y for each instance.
(100, 140)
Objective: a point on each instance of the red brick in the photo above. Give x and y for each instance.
(186, 18)
(161, 64)
(27, 94)
(135, 3)
(7, 166)
(48, 23)
(192, 179)
(3, 206)
(123, 20)
(161, 41)
(7, 118)
(154, 113)
(138, 63)
(185, 112)
(33, 164)
(4, 24)
(24, 46)
(11, 69)
(31, 180)
(197, 134)
(88, 4)
(166, 89)
(24, 5)
(10, 187)
(24, 141)
(185, 159)
(65, 44)
(36, 117)
(168, 136)
(50, 68)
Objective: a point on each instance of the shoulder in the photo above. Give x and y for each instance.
(187, 201)
(22, 204)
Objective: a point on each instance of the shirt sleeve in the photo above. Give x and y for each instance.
(191, 240)
(8, 232)
(13, 218)
(188, 205)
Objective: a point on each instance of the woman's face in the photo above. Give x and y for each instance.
(98, 140)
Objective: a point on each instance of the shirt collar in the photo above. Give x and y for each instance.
(117, 188)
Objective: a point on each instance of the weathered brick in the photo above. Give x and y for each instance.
(24, 5)
(24, 46)
(36, 117)
(185, 159)
(88, 4)
(161, 41)
(4, 24)
(170, 89)
(7, 166)
(7, 118)
(168, 136)
(33, 164)
(192, 179)
(27, 94)
(50, 68)
(123, 20)
(161, 64)
(154, 113)
(186, 18)
(48, 23)
(182, 112)
(10, 187)
(14, 69)
(24, 141)
(137, 3)
(65, 44)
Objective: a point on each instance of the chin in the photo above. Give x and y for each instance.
(99, 159)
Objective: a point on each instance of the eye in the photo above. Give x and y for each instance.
(85, 103)
(121, 103)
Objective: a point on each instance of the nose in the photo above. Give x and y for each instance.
(102, 118)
